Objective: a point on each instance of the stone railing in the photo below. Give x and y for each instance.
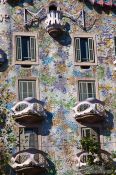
(29, 108)
(82, 158)
(28, 158)
(89, 110)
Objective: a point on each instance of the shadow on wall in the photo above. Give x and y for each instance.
(45, 126)
(14, 3)
(64, 39)
(3, 61)
(109, 120)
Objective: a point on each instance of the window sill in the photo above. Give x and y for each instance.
(26, 62)
(85, 64)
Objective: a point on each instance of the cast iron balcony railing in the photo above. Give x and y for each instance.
(53, 23)
(30, 110)
(89, 111)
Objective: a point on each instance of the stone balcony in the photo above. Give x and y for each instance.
(30, 160)
(29, 111)
(53, 23)
(81, 159)
(89, 111)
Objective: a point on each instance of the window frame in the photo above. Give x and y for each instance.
(85, 63)
(22, 131)
(83, 129)
(87, 79)
(28, 79)
(24, 34)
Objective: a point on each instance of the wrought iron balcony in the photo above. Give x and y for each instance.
(30, 160)
(89, 111)
(30, 110)
(53, 23)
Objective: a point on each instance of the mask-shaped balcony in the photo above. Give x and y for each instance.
(53, 23)
(82, 158)
(30, 160)
(89, 111)
(29, 111)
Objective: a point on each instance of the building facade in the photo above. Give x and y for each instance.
(57, 67)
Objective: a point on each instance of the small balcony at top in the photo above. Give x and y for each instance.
(90, 111)
(30, 161)
(53, 21)
(29, 111)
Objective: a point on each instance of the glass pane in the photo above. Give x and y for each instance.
(88, 133)
(33, 48)
(18, 48)
(84, 49)
(25, 47)
(30, 89)
(89, 87)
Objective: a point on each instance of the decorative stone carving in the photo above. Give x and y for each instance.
(28, 105)
(81, 158)
(28, 158)
(88, 106)
(90, 109)
(30, 108)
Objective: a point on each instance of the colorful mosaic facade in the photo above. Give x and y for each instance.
(58, 75)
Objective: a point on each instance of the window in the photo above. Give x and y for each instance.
(25, 48)
(86, 89)
(84, 50)
(90, 132)
(26, 88)
(28, 138)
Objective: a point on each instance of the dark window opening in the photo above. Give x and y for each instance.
(84, 50)
(25, 48)
(52, 8)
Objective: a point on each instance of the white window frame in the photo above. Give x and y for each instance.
(20, 61)
(85, 63)
(28, 79)
(87, 80)
(92, 131)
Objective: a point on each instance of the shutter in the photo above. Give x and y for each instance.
(91, 49)
(33, 140)
(77, 50)
(94, 134)
(18, 48)
(34, 88)
(20, 90)
(33, 48)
